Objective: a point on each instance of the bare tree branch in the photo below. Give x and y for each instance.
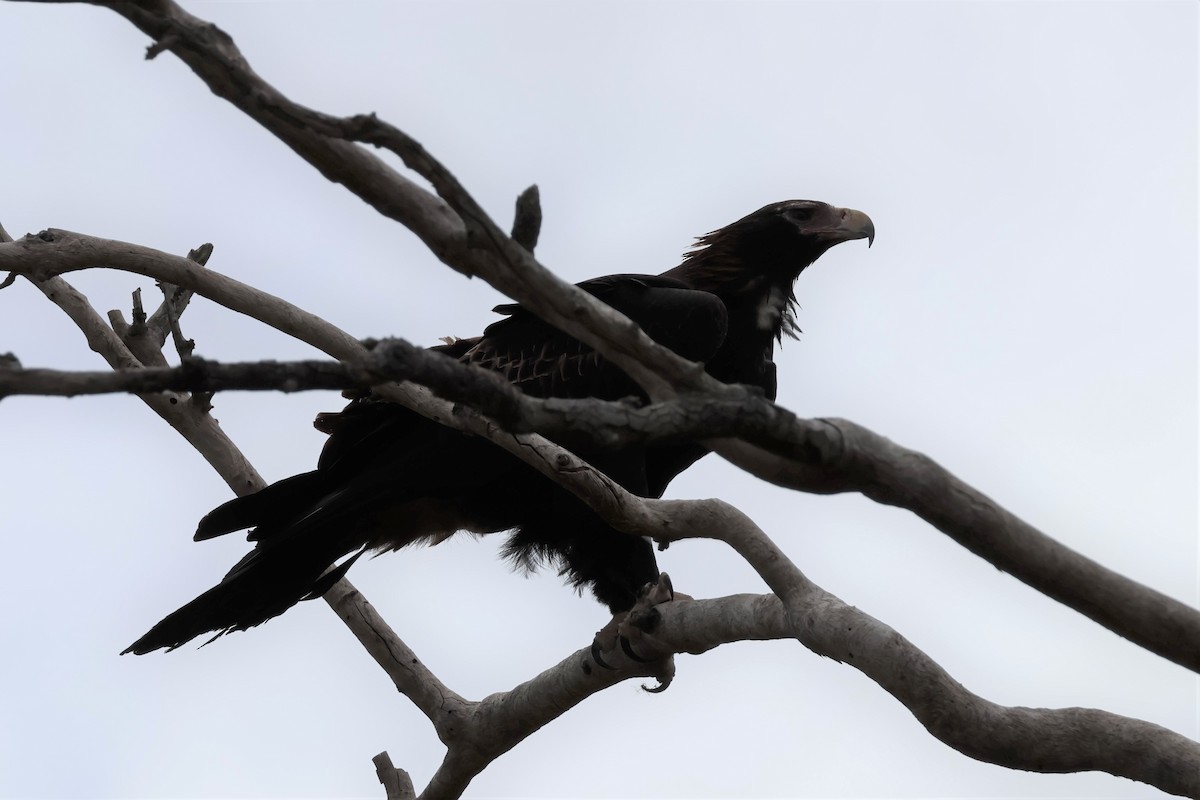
(146, 336)
(203, 433)
(159, 324)
(193, 375)
(836, 455)
(412, 678)
(396, 781)
(744, 412)
(1040, 740)
(184, 347)
(527, 221)
(816, 455)
(824, 456)
(136, 335)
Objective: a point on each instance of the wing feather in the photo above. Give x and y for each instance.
(545, 362)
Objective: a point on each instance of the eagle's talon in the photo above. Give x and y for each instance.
(598, 655)
(630, 628)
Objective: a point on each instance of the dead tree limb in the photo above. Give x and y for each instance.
(463, 236)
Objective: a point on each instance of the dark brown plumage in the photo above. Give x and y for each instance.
(388, 478)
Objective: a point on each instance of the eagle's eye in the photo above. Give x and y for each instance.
(801, 213)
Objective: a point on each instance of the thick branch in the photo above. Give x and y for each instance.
(496, 724)
(1037, 740)
(836, 455)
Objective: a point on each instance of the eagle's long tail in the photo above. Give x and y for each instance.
(298, 544)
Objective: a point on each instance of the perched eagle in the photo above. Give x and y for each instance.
(389, 477)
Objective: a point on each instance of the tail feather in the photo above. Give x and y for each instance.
(305, 524)
(264, 584)
(303, 529)
(326, 581)
(254, 509)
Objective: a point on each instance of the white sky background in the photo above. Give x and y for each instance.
(1027, 317)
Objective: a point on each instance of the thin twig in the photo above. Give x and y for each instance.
(184, 347)
(159, 324)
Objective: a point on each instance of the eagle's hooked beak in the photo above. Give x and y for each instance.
(854, 225)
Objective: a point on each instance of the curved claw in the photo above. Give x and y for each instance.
(665, 678)
(598, 658)
(661, 687)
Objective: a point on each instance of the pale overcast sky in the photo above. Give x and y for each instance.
(1027, 317)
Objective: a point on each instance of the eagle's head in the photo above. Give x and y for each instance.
(790, 235)
(759, 257)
